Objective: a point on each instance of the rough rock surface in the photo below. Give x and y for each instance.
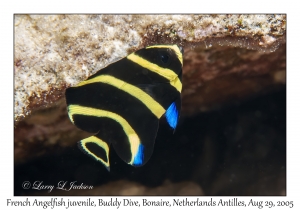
(53, 52)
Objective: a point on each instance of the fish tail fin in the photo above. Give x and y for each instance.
(96, 148)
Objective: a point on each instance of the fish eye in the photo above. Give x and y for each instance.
(164, 58)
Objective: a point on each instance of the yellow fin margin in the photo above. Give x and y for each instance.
(100, 143)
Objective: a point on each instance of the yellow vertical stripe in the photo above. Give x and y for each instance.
(129, 131)
(164, 72)
(147, 100)
(177, 84)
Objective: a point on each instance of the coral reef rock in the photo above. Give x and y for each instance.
(53, 52)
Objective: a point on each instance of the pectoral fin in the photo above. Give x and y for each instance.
(172, 113)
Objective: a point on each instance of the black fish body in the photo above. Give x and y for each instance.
(122, 103)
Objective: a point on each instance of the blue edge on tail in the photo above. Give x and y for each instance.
(172, 115)
(139, 157)
(172, 119)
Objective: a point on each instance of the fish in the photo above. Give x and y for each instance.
(121, 105)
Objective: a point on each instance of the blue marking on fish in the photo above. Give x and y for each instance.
(139, 157)
(172, 115)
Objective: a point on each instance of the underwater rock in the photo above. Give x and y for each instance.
(53, 52)
(225, 75)
(46, 131)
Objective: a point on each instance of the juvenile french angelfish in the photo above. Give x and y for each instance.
(121, 104)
